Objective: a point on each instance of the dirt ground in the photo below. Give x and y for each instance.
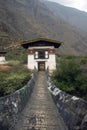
(4, 67)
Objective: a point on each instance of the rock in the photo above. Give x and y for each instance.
(84, 123)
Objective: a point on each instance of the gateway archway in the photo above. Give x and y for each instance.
(41, 66)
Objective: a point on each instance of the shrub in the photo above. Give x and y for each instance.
(81, 85)
(69, 78)
(13, 79)
(67, 71)
(83, 61)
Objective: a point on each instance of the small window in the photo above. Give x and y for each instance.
(46, 55)
(36, 55)
(41, 54)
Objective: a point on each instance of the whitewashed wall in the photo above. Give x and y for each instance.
(32, 62)
(49, 63)
(2, 58)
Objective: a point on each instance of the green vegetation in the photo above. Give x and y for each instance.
(17, 54)
(69, 77)
(14, 78)
(17, 74)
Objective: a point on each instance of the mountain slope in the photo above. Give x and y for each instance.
(73, 16)
(27, 19)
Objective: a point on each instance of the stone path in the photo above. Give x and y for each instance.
(40, 113)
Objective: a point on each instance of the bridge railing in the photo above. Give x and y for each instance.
(72, 109)
(12, 105)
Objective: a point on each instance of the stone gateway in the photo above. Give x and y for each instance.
(41, 53)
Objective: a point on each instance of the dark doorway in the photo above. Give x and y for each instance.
(41, 66)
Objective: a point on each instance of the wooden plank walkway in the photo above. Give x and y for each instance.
(40, 113)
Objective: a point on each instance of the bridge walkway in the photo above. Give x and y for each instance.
(40, 113)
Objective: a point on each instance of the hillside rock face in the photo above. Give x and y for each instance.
(71, 15)
(28, 19)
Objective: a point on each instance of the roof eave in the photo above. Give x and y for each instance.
(26, 44)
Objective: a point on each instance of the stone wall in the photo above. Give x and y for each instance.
(72, 109)
(12, 105)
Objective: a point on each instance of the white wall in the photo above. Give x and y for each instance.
(32, 62)
(2, 60)
(49, 63)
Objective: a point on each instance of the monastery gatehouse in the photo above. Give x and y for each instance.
(41, 53)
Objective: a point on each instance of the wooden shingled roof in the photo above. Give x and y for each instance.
(41, 42)
(3, 52)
